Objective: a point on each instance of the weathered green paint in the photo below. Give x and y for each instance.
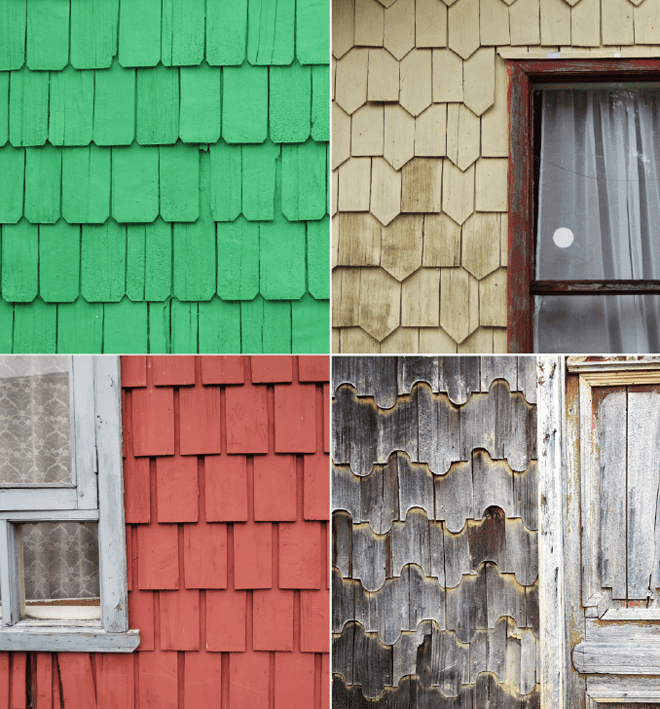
(313, 31)
(183, 32)
(226, 170)
(93, 33)
(219, 327)
(12, 173)
(135, 184)
(282, 258)
(80, 327)
(114, 106)
(159, 327)
(245, 104)
(13, 16)
(6, 326)
(184, 327)
(125, 327)
(43, 179)
(318, 258)
(59, 262)
(20, 260)
(35, 327)
(139, 32)
(103, 262)
(86, 185)
(304, 178)
(321, 103)
(252, 323)
(71, 107)
(258, 180)
(290, 103)
(158, 261)
(199, 114)
(4, 107)
(47, 34)
(157, 105)
(28, 107)
(277, 326)
(226, 28)
(309, 332)
(238, 259)
(270, 37)
(179, 183)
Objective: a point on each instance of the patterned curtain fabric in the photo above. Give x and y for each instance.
(35, 428)
(60, 558)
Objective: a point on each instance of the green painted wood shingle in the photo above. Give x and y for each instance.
(163, 176)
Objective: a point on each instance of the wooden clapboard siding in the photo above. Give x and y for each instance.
(435, 526)
(437, 69)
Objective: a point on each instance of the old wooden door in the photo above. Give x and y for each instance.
(611, 538)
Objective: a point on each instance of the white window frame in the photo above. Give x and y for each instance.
(96, 494)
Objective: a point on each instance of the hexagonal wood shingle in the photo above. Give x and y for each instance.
(379, 311)
(385, 191)
(415, 81)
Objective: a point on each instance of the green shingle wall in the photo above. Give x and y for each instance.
(163, 176)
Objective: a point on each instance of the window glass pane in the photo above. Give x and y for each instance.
(599, 188)
(597, 324)
(60, 560)
(35, 425)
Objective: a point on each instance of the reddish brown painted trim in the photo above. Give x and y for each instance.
(595, 287)
(522, 74)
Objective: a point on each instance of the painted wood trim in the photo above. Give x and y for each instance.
(38, 499)
(84, 438)
(9, 574)
(42, 515)
(631, 614)
(642, 366)
(112, 525)
(593, 287)
(628, 690)
(554, 639)
(521, 247)
(23, 638)
(633, 52)
(635, 656)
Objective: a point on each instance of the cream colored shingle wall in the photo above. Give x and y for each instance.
(420, 157)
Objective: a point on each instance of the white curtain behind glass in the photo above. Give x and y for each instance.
(599, 178)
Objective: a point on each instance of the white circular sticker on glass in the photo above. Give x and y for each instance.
(563, 237)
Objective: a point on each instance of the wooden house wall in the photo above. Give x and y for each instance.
(227, 505)
(420, 157)
(435, 523)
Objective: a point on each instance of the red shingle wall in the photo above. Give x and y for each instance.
(226, 472)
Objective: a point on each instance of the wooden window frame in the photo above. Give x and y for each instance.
(522, 75)
(96, 494)
(613, 670)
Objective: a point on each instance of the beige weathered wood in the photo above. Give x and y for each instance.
(341, 135)
(480, 341)
(504, 240)
(493, 23)
(635, 657)
(380, 308)
(356, 340)
(585, 23)
(420, 299)
(431, 131)
(491, 183)
(556, 22)
(500, 343)
(524, 22)
(481, 245)
(447, 76)
(336, 341)
(442, 241)
(402, 246)
(367, 130)
(457, 192)
(492, 299)
(369, 20)
(351, 91)
(647, 22)
(463, 137)
(399, 35)
(421, 189)
(430, 23)
(479, 80)
(333, 79)
(617, 22)
(415, 81)
(495, 121)
(354, 185)
(343, 26)
(435, 340)
(359, 239)
(345, 296)
(552, 593)
(335, 192)
(463, 24)
(399, 136)
(459, 303)
(385, 191)
(383, 79)
(404, 340)
(335, 239)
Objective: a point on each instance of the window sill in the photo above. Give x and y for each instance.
(28, 637)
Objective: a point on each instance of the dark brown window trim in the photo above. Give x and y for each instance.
(521, 285)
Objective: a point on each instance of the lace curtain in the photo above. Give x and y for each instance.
(60, 558)
(599, 211)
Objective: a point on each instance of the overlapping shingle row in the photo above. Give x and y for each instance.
(435, 562)
(207, 124)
